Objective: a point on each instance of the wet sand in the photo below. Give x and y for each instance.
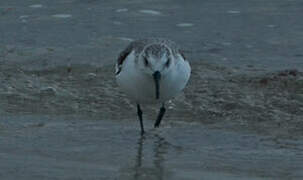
(71, 148)
(225, 125)
(62, 115)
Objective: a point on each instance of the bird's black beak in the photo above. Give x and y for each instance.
(157, 77)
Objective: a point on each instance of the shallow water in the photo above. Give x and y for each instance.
(67, 147)
(74, 122)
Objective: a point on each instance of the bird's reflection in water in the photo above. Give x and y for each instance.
(154, 169)
(138, 163)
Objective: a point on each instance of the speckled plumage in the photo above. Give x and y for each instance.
(139, 45)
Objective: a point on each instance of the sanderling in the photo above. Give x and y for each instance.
(152, 71)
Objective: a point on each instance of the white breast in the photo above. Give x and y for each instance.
(140, 86)
(175, 81)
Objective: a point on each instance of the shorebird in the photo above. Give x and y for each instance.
(152, 70)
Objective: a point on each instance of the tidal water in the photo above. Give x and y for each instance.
(62, 115)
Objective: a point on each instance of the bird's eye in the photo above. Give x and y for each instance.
(167, 62)
(145, 61)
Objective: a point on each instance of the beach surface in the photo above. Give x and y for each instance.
(62, 115)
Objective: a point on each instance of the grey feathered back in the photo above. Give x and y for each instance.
(138, 46)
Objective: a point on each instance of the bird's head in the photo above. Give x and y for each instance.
(156, 61)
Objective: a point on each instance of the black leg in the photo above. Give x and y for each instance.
(160, 116)
(140, 118)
